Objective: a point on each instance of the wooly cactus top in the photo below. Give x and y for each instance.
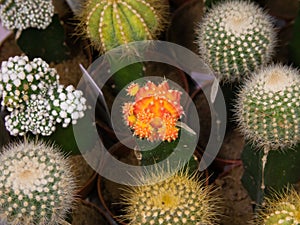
(20, 14)
(235, 38)
(110, 23)
(281, 209)
(268, 107)
(30, 90)
(36, 185)
(179, 199)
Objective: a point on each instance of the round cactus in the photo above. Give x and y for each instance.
(235, 38)
(281, 209)
(21, 79)
(110, 23)
(179, 199)
(18, 14)
(268, 107)
(30, 90)
(36, 185)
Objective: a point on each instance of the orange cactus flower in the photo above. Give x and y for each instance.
(155, 111)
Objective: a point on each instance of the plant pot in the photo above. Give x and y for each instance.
(87, 213)
(86, 176)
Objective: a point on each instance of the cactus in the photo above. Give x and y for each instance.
(281, 209)
(268, 107)
(30, 90)
(110, 23)
(155, 111)
(20, 15)
(235, 38)
(37, 185)
(178, 199)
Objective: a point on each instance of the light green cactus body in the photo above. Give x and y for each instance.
(110, 23)
(235, 38)
(36, 185)
(283, 209)
(179, 199)
(20, 15)
(268, 107)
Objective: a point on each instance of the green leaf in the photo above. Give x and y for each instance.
(48, 44)
(282, 168)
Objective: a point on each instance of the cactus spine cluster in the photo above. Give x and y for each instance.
(110, 23)
(36, 185)
(19, 15)
(268, 107)
(281, 209)
(30, 90)
(235, 38)
(179, 199)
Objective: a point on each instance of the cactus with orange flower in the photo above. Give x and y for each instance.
(154, 117)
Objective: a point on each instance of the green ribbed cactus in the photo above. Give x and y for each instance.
(110, 23)
(235, 38)
(20, 15)
(281, 209)
(268, 107)
(36, 185)
(179, 199)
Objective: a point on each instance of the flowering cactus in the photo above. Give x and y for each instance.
(155, 111)
(18, 14)
(281, 209)
(179, 199)
(110, 23)
(37, 185)
(30, 90)
(268, 107)
(235, 38)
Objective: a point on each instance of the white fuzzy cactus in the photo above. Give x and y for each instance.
(268, 107)
(235, 38)
(30, 90)
(36, 185)
(19, 14)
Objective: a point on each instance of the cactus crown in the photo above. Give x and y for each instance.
(154, 112)
(235, 38)
(36, 184)
(18, 14)
(110, 23)
(281, 209)
(267, 107)
(30, 90)
(179, 199)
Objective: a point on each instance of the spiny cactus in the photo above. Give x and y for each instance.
(19, 15)
(268, 109)
(235, 38)
(179, 199)
(154, 112)
(30, 90)
(110, 23)
(281, 209)
(36, 184)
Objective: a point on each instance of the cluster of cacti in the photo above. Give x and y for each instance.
(155, 111)
(110, 23)
(268, 107)
(30, 90)
(37, 185)
(171, 199)
(19, 15)
(281, 209)
(235, 38)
